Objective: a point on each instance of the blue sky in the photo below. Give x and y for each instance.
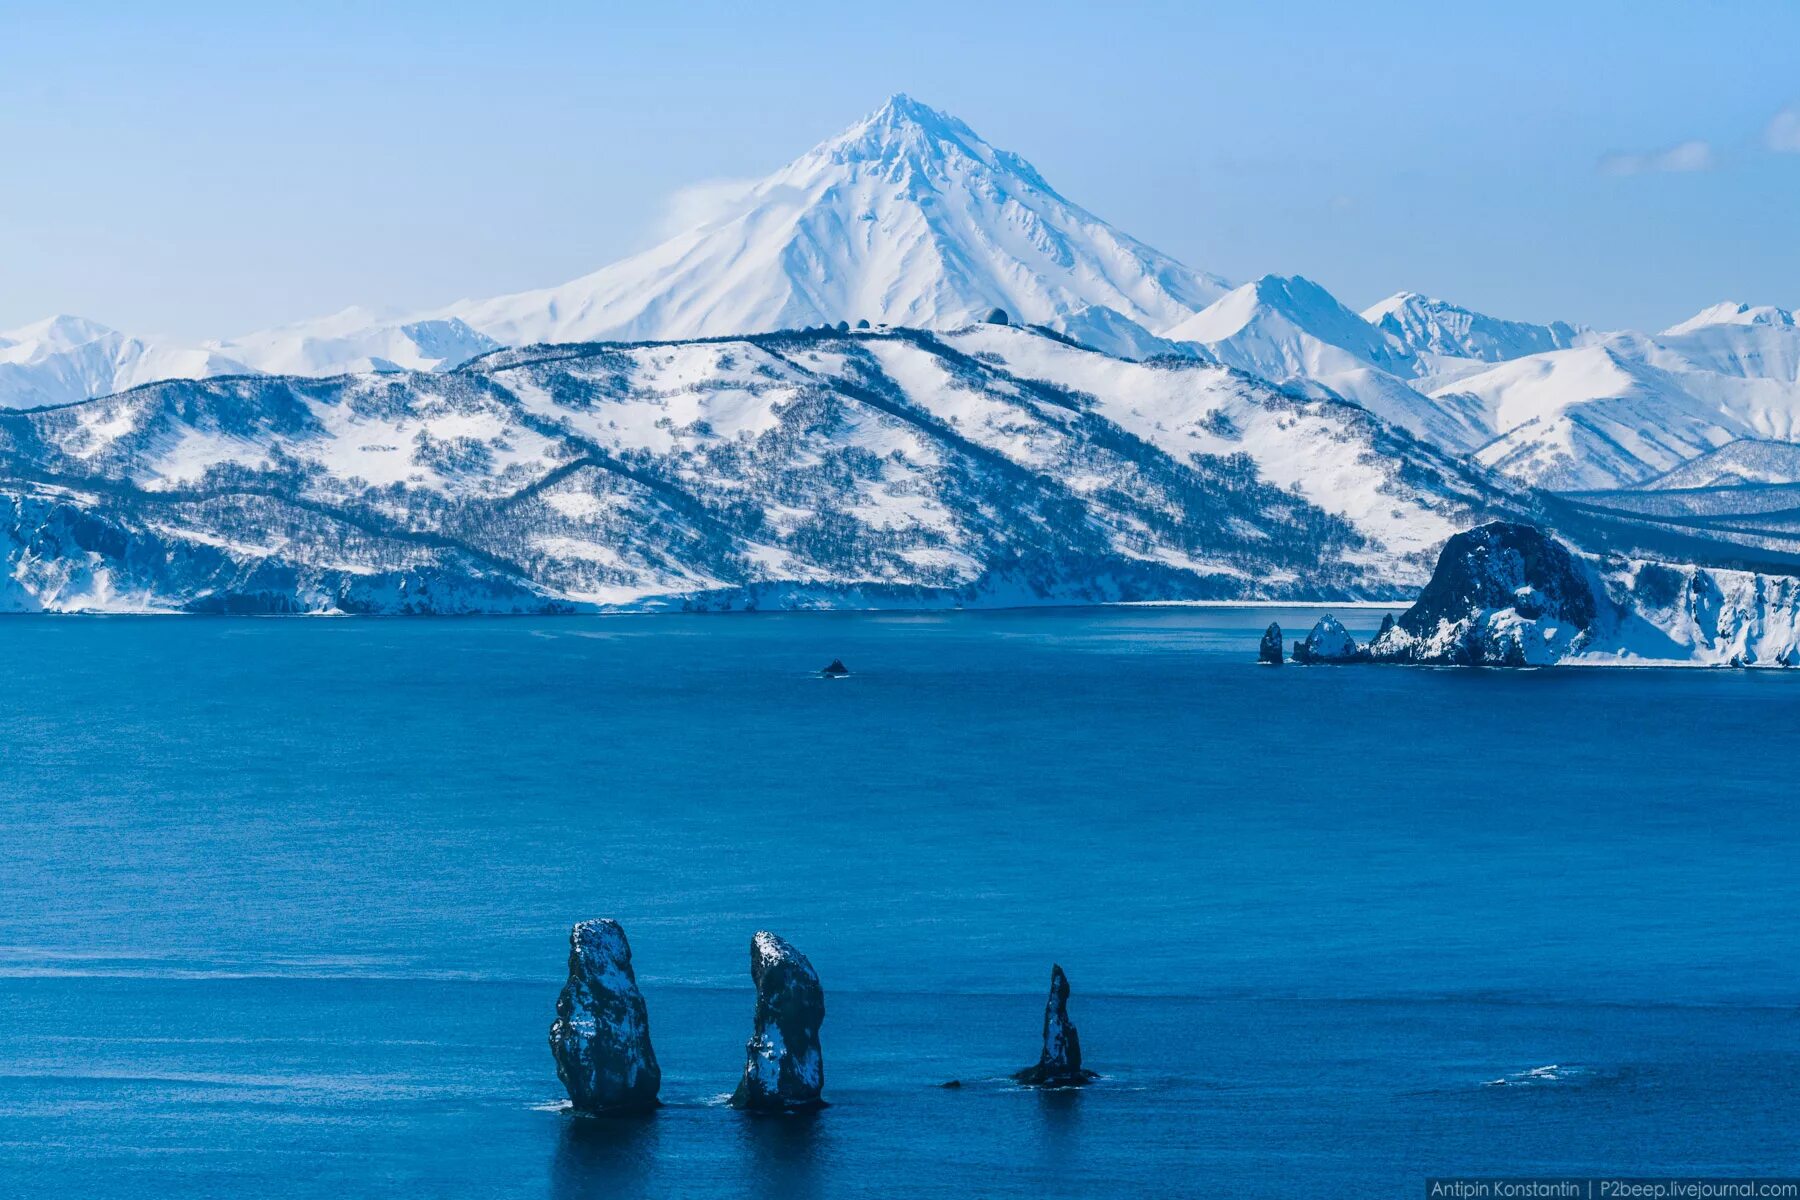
(206, 169)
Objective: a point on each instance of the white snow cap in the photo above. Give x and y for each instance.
(1731, 312)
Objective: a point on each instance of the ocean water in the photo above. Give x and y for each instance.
(284, 906)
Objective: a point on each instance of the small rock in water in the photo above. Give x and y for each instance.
(1060, 1063)
(784, 1067)
(1270, 651)
(951, 1083)
(1329, 642)
(837, 669)
(601, 1036)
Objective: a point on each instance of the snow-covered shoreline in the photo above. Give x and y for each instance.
(1509, 595)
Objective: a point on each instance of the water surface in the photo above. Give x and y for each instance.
(284, 905)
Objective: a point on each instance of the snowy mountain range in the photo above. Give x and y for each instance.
(358, 339)
(909, 220)
(991, 465)
(1553, 406)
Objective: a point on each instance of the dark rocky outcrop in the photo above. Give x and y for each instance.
(1329, 642)
(1270, 650)
(601, 1036)
(837, 669)
(1059, 1065)
(784, 1066)
(1512, 595)
(1502, 594)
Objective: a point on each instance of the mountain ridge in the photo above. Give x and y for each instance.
(992, 465)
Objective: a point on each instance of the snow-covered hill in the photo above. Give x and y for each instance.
(1629, 407)
(1733, 312)
(358, 339)
(1292, 331)
(1746, 462)
(64, 359)
(993, 465)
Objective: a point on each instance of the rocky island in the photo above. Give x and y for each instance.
(1329, 642)
(1511, 595)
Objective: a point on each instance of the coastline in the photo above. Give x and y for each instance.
(668, 611)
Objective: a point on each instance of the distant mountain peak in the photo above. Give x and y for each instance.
(63, 359)
(60, 332)
(1280, 320)
(1427, 325)
(1289, 329)
(1732, 312)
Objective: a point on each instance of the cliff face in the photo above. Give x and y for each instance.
(1512, 595)
(1501, 595)
(1656, 611)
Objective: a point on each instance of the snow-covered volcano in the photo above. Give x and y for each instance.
(908, 217)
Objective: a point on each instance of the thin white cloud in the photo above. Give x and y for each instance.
(1783, 134)
(1682, 157)
(700, 204)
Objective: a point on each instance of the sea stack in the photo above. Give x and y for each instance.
(1329, 642)
(1270, 652)
(601, 1036)
(784, 1067)
(1060, 1063)
(837, 669)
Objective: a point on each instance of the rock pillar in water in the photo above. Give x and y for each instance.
(1060, 1063)
(601, 1036)
(1329, 642)
(784, 1067)
(1270, 651)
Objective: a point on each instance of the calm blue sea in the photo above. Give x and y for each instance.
(284, 906)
